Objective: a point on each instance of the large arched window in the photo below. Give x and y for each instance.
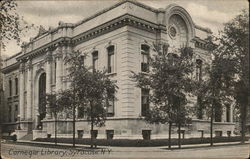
(178, 31)
(145, 58)
(42, 95)
(111, 59)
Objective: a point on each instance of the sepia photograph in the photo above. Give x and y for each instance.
(124, 79)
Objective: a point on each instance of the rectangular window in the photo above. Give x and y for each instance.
(111, 59)
(146, 134)
(82, 58)
(110, 134)
(198, 70)
(10, 87)
(95, 60)
(144, 58)
(16, 85)
(81, 112)
(111, 104)
(55, 73)
(144, 101)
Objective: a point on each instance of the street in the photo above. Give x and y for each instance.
(15, 151)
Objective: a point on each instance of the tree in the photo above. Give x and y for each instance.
(233, 44)
(56, 104)
(90, 90)
(12, 25)
(170, 83)
(214, 92)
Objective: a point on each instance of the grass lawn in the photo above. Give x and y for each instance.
(140, 142)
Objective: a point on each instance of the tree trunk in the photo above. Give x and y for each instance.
(92, 124)
(179, 127)
(74, 122)
(55, 129)
(169, 135)
(179, 135)
(211, 125)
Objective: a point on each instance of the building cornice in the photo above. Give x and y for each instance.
(10, 68)
(43, 49)
(70, 25)
(124, 20)
(200, 43)
(207, 30)
(116, 5)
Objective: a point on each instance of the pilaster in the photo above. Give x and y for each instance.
(21, 90)
(59, 58)
(48, 68)
(29, 91)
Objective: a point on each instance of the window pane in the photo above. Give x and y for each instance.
(144, 58)
(10, 87)
(110, 59)
(145, 49)
(95, 60)
(16, 85)
(144, 101)
(110, 63)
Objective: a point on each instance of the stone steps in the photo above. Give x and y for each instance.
(27, 137)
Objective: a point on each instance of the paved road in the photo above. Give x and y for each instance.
(13, 151)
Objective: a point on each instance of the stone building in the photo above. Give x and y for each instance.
(118, 39)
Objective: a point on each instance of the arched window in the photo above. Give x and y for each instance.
(145, 58)
(42, 95)
(111, 59)
(95, 60)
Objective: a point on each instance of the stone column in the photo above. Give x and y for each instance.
(63, 67)
(48, 68)
(58, 68)
(231, 113)
(29, 91)
(66, 73)
(21, 91)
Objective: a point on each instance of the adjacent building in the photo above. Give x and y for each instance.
(118, 39)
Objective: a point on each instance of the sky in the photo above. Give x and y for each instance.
(206, 13)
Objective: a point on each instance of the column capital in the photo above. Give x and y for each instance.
(48, 57)
(29, 65)
(58, 52)
(22, 67)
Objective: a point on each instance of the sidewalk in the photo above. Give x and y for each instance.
(130, 149)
